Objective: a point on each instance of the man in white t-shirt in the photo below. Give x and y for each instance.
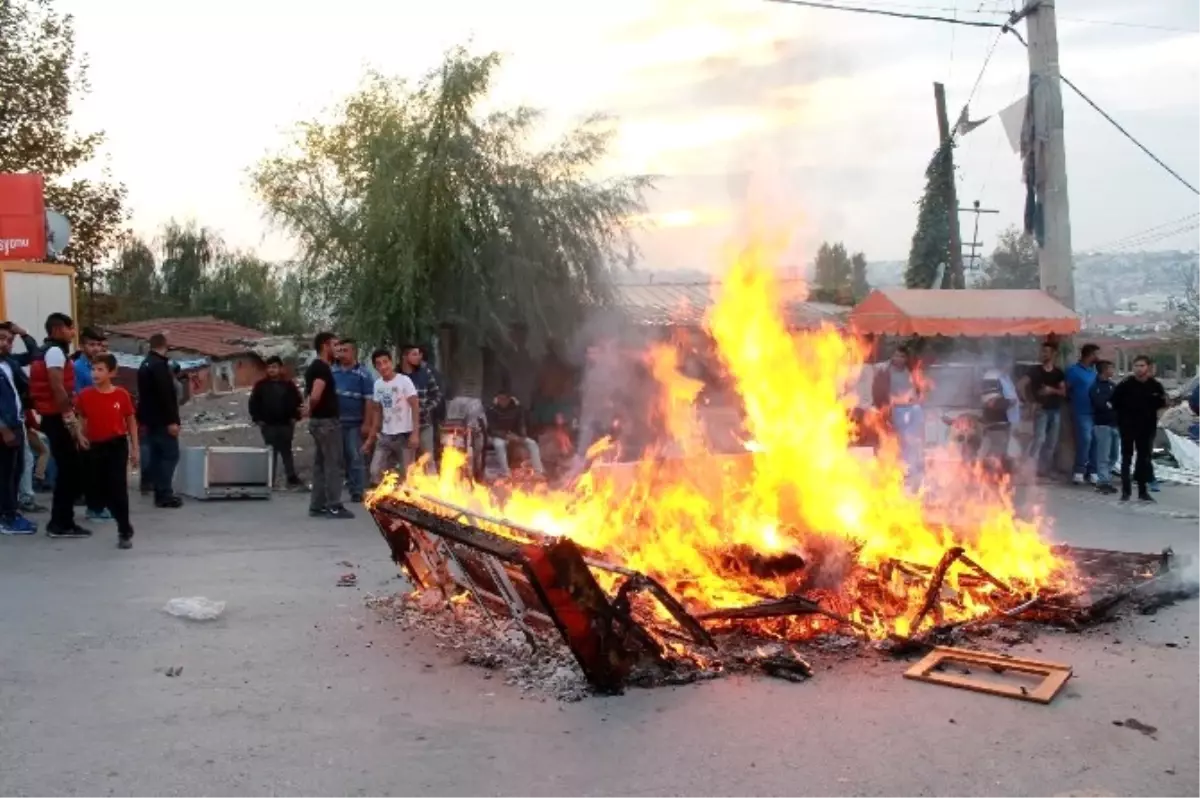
(394, 409)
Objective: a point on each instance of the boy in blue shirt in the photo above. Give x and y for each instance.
(1080, 378)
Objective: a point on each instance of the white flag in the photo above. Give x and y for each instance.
(1013, 118)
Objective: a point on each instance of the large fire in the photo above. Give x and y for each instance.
(696, 521)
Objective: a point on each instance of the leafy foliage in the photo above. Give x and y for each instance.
(931, 240)
(840, 278)
(40, 75)
(199, 276)
(1014, 262)
(860, 286)
(413, 209)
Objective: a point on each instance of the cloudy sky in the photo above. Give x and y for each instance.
(826, 118)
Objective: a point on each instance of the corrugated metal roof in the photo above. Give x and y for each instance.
(685, 304)
(204, 335)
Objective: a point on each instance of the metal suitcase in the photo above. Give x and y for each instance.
(224, 472)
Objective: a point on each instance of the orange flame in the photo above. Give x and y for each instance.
(690, 520)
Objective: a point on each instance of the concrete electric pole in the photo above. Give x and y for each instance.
(1055, 262)
(957, 278)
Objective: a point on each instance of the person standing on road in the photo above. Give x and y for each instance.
(1080, 378)
(1138, 400)
(13, 446)
(429, 395)
(395, 408)
(275, 407)
(51, 391)
(158, 417)
(326, 431)
(33, 449)
(896, 390)
(1105, 429)
(93, 344)
(110, 438)
(354, 387)
(1045, 387)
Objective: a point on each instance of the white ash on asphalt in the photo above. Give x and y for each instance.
(544, 666)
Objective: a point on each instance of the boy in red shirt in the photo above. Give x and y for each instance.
(110, 436)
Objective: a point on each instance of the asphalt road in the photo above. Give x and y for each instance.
(298, 690)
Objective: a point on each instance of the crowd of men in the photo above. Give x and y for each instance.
(1112, 421)
(361, 425)
(85, 428)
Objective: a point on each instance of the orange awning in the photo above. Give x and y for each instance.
(973, 313)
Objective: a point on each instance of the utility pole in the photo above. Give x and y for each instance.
(957, 278)
(975, 242)
(1055, 263)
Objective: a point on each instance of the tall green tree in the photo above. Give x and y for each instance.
(931, 240)
(240, 288)
(860, 285)
(1014, 262)
(833, 271)
(188, 252)
(41, 74)
(413, 207)
(134, 272)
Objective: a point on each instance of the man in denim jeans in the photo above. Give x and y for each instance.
(1081, 377)
(1045, 387)
(158, 415)
(354, 388)
(1105, 429)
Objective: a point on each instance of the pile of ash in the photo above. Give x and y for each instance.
(543, 665)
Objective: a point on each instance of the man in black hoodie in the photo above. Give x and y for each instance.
(1137, 401)
(275, 404)
(1105, 431)
(158, 416)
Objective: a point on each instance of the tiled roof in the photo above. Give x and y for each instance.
(684, 304)
(204, 335)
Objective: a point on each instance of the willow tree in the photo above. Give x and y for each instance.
(414, 208)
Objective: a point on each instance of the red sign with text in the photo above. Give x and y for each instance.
(22, 217)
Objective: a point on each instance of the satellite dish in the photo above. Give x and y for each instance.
(58, 233)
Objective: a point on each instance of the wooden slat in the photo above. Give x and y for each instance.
(1055, 675)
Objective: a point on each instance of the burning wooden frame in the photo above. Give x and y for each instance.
(541, 582)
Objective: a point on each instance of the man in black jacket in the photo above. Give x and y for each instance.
(275, 404)
(1137, 402)
(158, 416)
(1104, 432)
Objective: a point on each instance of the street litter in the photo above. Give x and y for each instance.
(934, 669)
(347, 580)
(195, 608)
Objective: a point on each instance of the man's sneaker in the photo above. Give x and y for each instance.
(1125, 497)
(1146, 498)
(356, 498)
(338, 511)
(1105, 489)
(169, 503)
(1155, 487)
(1091, 479)
(75, 531)
(124, 543)
(18, 525)
(318, 512)
(1077, 479)
(99, 516)
(31, 506)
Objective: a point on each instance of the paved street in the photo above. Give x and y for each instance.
(297, 689)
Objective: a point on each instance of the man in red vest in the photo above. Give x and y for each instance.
(51, 388)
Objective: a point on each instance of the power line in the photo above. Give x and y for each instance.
(1151, 234)
(1117, 24)
(894, 14)
(1114, 122)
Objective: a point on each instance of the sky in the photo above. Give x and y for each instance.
(823, 120)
